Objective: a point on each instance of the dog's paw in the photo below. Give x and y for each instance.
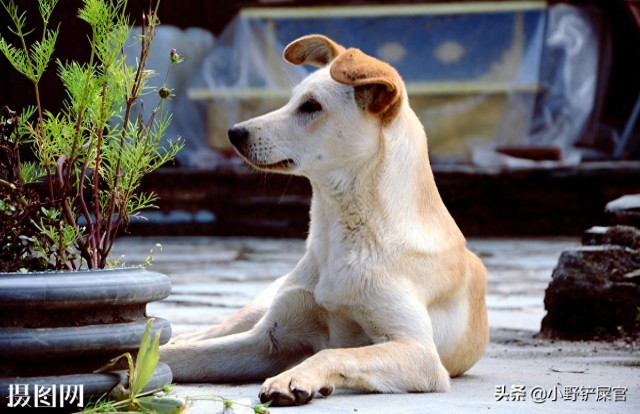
(287, 390)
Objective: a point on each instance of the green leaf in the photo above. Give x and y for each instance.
(18, 59)
(162, 405)
(46, 8)
(262, 408)
(93, 12)
(120, 393)
(147, 360)
(114, 361)
(31, 172)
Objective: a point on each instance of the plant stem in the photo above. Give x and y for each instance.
(16, 157)
(145, 42)
(7, 184)
(82, 246)
(96, 235)
(42, 137)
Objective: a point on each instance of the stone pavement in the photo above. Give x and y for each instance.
(213, 277)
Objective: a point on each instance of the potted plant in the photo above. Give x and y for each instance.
(65, 309)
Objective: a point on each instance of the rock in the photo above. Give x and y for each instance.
(595, 289)
(594, 236)
(594, 292)
(627, 236)
(624, 210)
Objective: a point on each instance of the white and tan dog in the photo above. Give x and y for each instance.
(387, 298)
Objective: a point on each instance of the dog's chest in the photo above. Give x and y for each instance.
(347, 264)
(343, 281)
(340, 292)
(344, 331)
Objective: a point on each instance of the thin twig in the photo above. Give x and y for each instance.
(144, 53)
(7, 184)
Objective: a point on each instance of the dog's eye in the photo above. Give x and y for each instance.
(310, 107)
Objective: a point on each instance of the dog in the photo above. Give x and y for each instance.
(387, 298)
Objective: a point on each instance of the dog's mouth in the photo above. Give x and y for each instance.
(276, 166)
(282, 165)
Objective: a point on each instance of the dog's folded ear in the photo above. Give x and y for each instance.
(378, 86)
(314, 50)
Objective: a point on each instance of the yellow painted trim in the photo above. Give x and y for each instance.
(413, 88)
(391, 10)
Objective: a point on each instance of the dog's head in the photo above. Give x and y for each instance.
(334, 117)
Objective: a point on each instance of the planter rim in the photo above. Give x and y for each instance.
(118, 286)
(79, 271)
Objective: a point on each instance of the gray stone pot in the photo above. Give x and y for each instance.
(56, 328)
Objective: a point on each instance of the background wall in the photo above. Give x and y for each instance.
(213, 15)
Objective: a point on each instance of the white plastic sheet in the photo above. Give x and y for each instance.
(476, 80)
(559, 114)
(188, 117)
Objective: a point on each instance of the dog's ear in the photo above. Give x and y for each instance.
(378, 86)
(314, 50)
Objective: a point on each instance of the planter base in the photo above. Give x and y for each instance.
(73, 349)
(56, 328)
(92, 386)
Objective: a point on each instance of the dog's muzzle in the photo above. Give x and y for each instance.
(240, 139)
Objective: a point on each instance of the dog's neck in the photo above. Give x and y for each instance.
(387, 195)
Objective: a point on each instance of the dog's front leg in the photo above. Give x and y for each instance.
(403, 358)
(242, 321)
(291, 330)
(399, 366)
(246, 356)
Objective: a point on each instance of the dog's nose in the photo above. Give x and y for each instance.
(238, 135)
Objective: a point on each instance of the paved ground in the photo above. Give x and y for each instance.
(212, 277)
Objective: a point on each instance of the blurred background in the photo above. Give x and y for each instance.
(530, 107)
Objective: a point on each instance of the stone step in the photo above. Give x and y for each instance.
(624, 210)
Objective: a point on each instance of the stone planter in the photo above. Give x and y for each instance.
(56, 328)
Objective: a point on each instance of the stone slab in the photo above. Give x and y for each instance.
(512, 360)
(624, 210)
(519, 270)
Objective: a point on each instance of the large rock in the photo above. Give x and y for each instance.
(595, 291)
